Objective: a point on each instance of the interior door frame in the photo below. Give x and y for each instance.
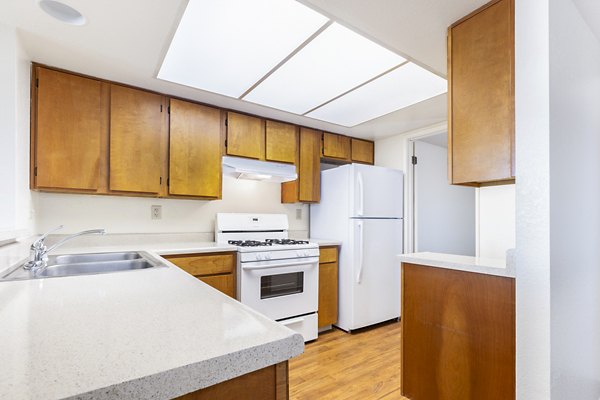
(410, 215)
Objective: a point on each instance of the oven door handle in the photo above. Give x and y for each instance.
(311, 263)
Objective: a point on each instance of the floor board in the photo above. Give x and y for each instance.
(362, 365)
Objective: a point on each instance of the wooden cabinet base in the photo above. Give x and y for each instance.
(269, 383)
(458, 335)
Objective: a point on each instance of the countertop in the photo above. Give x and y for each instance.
(489, 266)
(325, 242)
(156, 333)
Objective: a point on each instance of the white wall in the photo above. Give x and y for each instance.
(574, 204)
(132, 214)
(532, 199)
(15, 198)
(8, 127)
(495, 218)
(445, 214)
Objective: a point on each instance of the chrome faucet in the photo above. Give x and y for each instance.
(38, 259)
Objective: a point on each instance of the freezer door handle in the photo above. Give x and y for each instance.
(361, 195)
(360, 251)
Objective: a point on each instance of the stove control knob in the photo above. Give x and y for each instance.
(298, 253)
(268, 256)
(259, 256)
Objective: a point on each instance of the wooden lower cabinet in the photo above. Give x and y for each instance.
(215, 269)
(328, 286)
(458, 334)
(269, 383)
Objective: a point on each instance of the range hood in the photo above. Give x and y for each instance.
(245, 168)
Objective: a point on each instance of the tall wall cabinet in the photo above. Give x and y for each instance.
(481, 96)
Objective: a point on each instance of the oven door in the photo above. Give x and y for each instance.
(281, 288)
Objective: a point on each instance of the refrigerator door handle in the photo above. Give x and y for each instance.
(360, 252)
(361, 194)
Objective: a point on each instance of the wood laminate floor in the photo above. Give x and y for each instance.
(363, 365)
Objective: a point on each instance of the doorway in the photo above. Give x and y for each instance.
(444, 215)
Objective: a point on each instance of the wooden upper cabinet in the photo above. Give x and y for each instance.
(336, 146)
(194, 150)
(281, 142)
(245, 136)
(309, 173)
(481, 95)
(137, 140)
(69, 132)
(363, 151)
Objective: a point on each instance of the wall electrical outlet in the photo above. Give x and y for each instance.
(156, 212)
(298, 213)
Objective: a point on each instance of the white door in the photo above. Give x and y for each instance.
(378, 192)
(444, 213)
(376, 271)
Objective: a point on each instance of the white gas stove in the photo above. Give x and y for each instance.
(276, 276)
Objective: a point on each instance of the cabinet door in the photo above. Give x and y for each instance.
(363, 151)
(69, 131)
(137, 134)
(328, 294)
(245, 136)
(281, 142)
(309, 174)
(223, 283)
(481, 95)
(336, 146)
(194, 150)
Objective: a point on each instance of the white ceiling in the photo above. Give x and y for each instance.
(126, 40)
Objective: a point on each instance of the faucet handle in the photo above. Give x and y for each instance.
(39, 242)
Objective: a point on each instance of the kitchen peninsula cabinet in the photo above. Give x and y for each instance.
(481, 123)
(307, 188)
(328, 286)
(245, 136)
(458, 334)
(195, 147)
(215, 269)
(138, 141)
(69, 119)
(363, 151)
(281, 142)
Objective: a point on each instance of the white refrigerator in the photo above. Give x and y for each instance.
(361, 206)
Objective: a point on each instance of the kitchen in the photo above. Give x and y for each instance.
(136, 189)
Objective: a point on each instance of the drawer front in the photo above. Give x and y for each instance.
(328, 254)
(305, 325)
(199, 264)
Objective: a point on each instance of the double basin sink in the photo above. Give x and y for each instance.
(86, 264)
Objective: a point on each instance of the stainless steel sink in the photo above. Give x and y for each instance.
(93, 258)
(87, 264)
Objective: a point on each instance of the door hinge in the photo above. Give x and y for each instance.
(161, 180)
(226, 122)
(37, 82)
(161, 108)
(225, 143)
(414, 160)
(34, 171)
(168, 182)
(169, 110)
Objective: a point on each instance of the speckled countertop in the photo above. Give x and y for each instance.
(156, 333)
(490, 266)
(325, 242)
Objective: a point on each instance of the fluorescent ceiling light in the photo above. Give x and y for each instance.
(336, 61)
(226, 46)
(402, 87)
